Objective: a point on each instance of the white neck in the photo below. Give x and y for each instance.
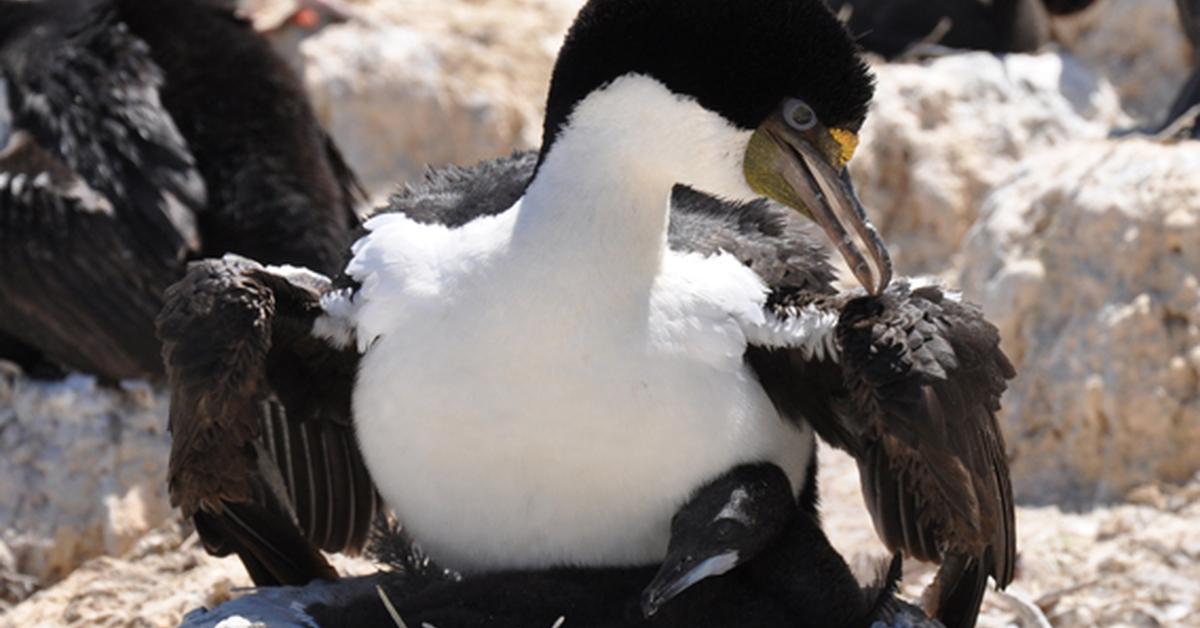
(602, 194)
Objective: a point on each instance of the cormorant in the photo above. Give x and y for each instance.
(543, 365)
(145, 134)
(893, 28)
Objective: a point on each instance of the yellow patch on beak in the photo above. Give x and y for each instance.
(847, 142)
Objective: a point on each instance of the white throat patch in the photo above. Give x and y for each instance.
(635, 129)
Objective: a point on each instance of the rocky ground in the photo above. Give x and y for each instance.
(996, 173)
(1135, 564)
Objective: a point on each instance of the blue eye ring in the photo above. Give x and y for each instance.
(799, 115)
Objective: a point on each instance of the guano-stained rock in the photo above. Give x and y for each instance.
(421, 83)
(82, 471)
(1088, 260)
(1136, 44)
(944, 133)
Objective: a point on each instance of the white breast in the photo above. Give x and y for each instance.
(514, 418)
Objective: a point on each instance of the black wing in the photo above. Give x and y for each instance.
(76, 283)
(911, 391)
(263, 451)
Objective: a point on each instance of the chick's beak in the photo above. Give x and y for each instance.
(805, 170)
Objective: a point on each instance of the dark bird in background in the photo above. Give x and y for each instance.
(145, 134)
(545, 358)
(271, 16)
(893, 28)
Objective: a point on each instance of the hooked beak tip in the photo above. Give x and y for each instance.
(834, 205)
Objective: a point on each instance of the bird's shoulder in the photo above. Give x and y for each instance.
(452, 196)
(776, 243)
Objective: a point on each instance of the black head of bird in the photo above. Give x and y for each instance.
(728, 521)
(782, 77)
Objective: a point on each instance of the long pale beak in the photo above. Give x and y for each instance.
(785, 165)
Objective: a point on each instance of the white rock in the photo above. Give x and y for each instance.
(82, 471)
(1089, 262)
(434, 83)
(142, 589)
(155, 584)
(943, 134)
(1136, 44)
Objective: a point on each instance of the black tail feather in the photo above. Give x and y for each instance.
(956, 594)
(273, 549)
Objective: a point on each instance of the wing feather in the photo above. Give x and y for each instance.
(912, 395)
(235, 336)
(74, 283)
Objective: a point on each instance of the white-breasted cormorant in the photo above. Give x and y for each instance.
(542, 368)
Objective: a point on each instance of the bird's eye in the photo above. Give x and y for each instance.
(799, 115)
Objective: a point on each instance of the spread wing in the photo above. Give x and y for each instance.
(263, 451)
(909, 384)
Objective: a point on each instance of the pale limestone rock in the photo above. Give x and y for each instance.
(1098, 567)
(1136, 44)
(1088, 260)
(420, 83)
(944, 133)
(82, 471)
(159, 580)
